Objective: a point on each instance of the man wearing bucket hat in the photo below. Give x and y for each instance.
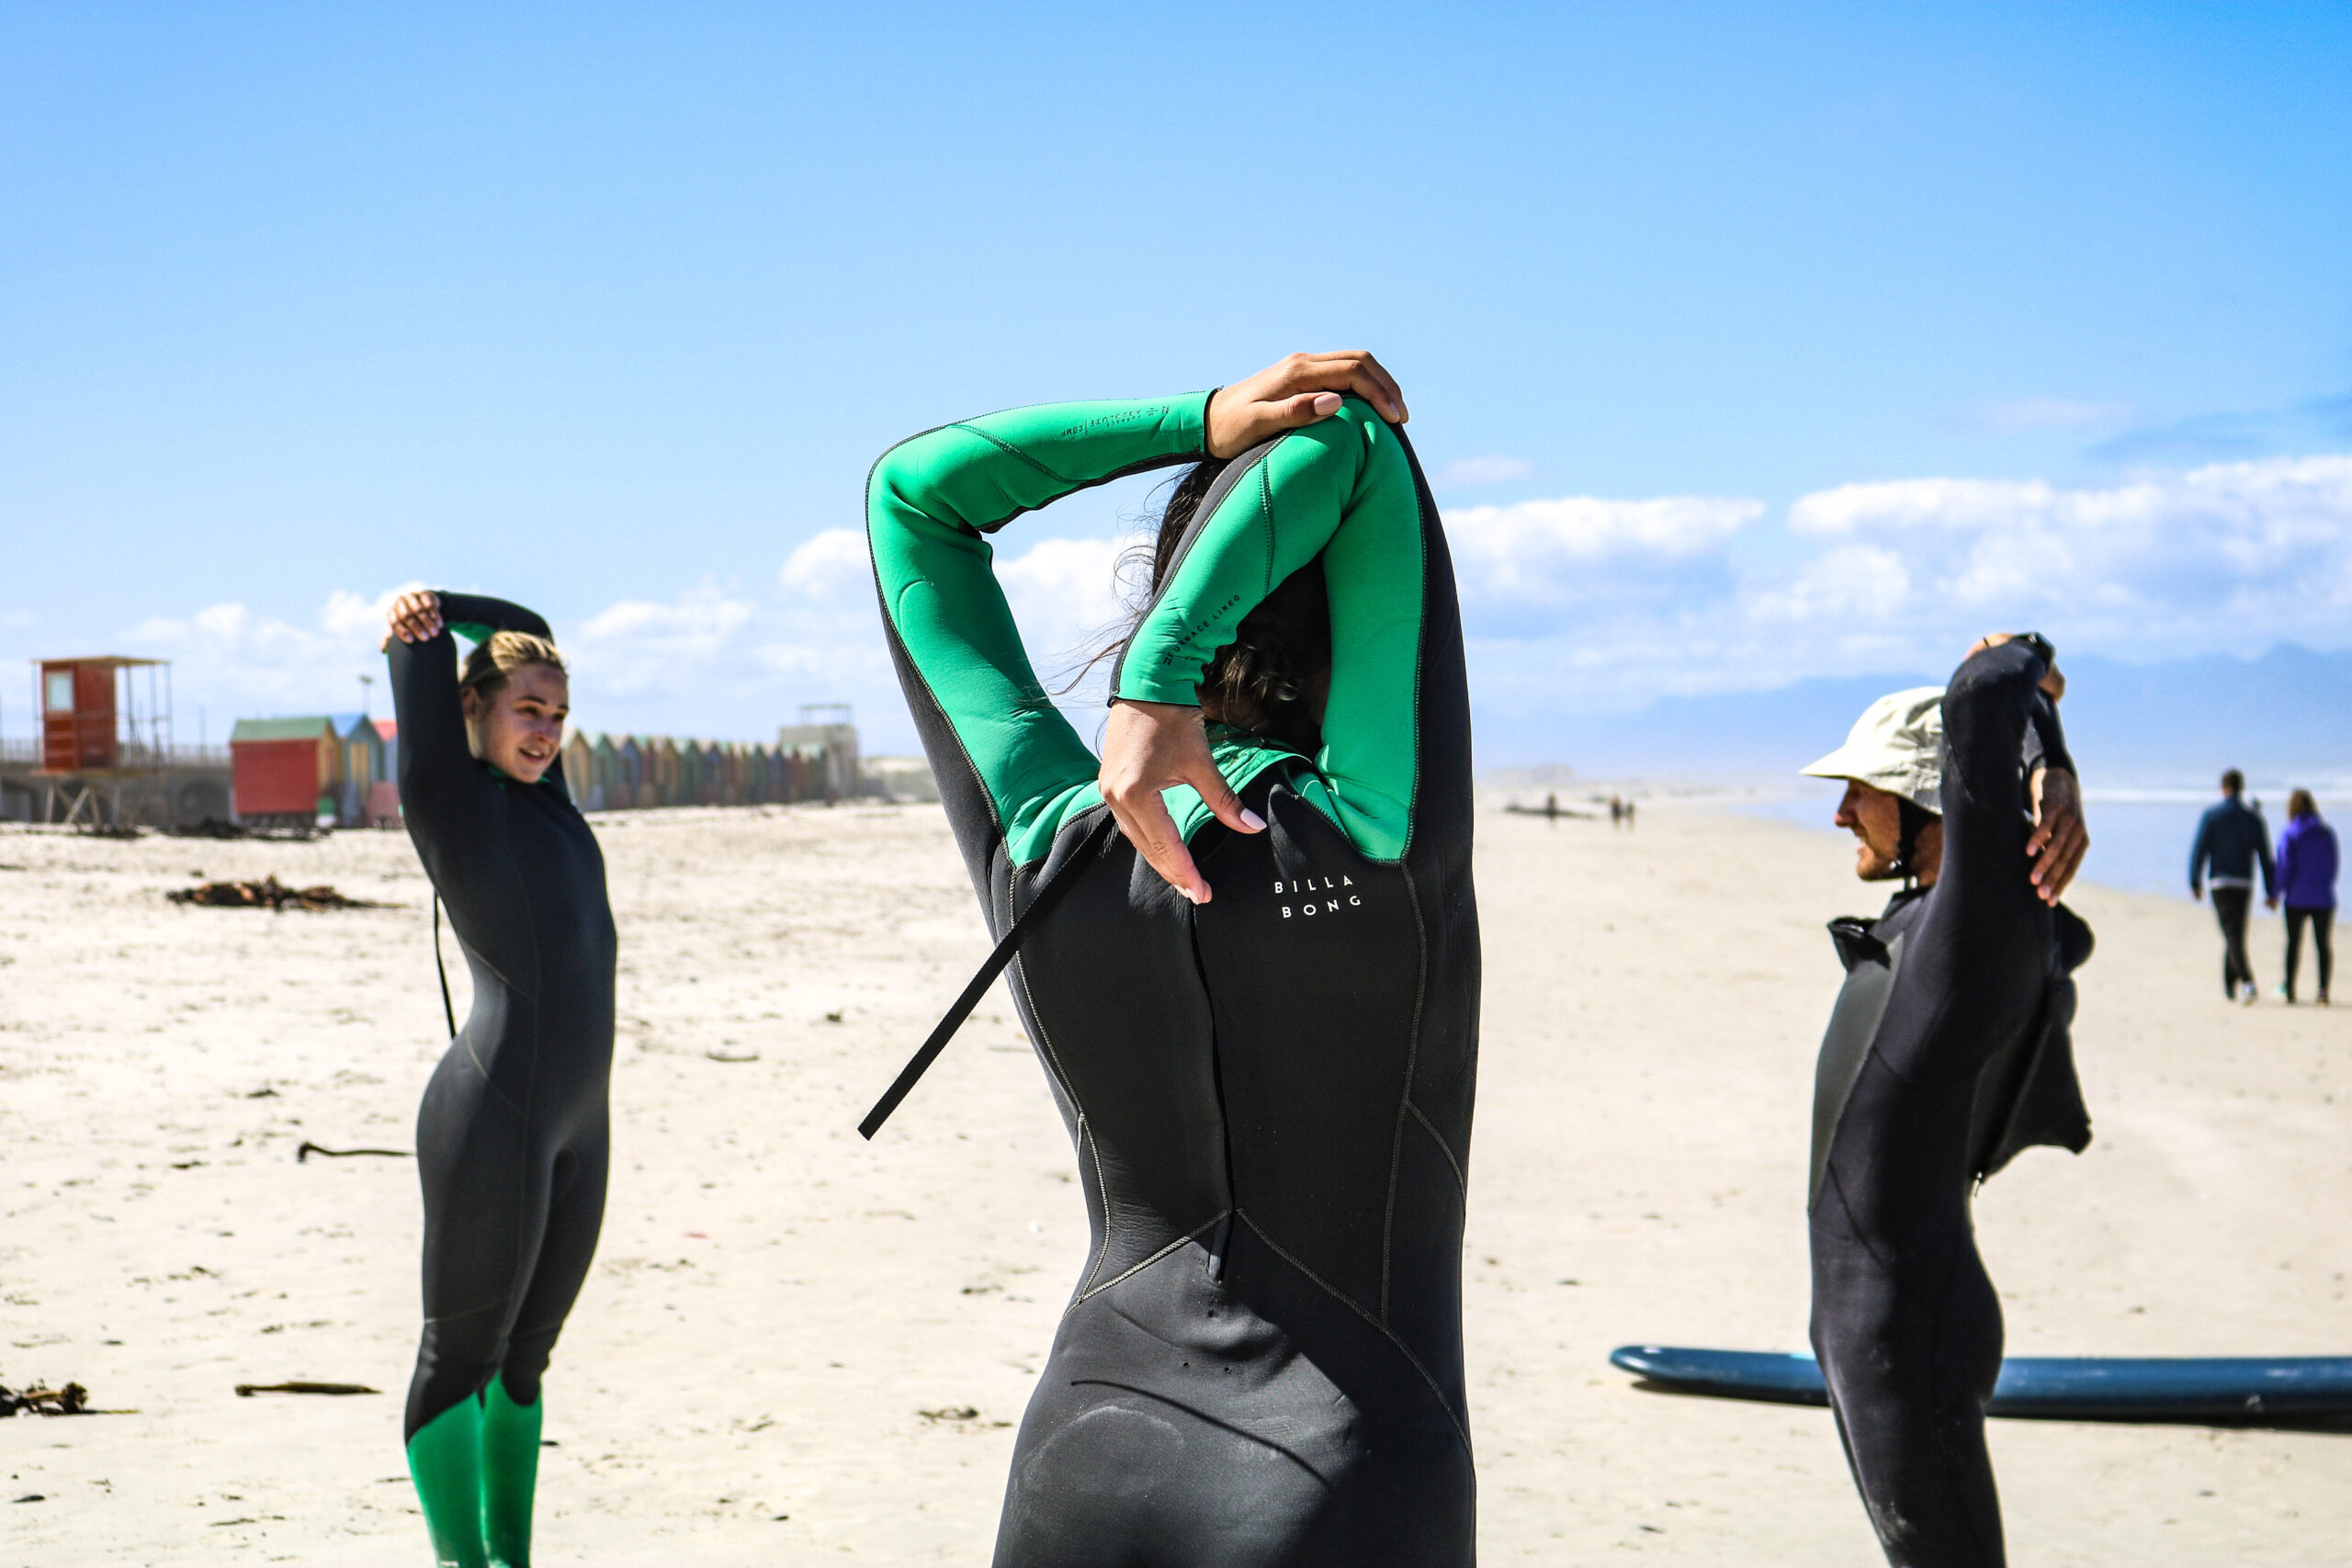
(1947, 1053)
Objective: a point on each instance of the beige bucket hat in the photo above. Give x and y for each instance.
(1897, 744)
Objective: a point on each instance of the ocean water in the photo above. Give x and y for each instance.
(2140, 838)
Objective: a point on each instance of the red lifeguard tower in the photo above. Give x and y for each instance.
(105, 729)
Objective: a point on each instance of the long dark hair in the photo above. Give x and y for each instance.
(1265, 679)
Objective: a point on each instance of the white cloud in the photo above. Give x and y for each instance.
(2229, 547)
(232, 662)
(832, 564)
(1569, 604)
(636, 646)
(353, 614)
(1581, 547)
(1488, 471)
(1853, 583)
(1063, 592)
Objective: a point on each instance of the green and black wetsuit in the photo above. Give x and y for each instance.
(1269, 1095)
(1949, 1053)
(511, 1140)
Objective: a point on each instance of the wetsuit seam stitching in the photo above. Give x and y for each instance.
(1015, 453)
(1140, 465)
(1258, 1439)
(1424, 507)
(1192, 1236)
(1460, 1176)
(498, 1306)
(890, 623)
(464, 1038)
(1061, 1076)
(1353, 1306)
(1266, 527)
(1853, 1224)
(1216, 1077)
(1405, 1090)
(1103, 1190)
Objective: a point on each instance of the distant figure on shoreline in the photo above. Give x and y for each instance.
(2307, 864)
(2230, 838)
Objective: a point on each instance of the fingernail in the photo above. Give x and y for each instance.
(1254, 822)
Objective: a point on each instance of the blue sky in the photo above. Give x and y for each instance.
(1746, 342)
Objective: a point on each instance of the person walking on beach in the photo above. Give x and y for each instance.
(2231, 838)
(511, 1138)
(1948, 1053)
(2307, 886)
(1255, 1003)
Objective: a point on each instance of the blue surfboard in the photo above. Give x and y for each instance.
(2062, 1388)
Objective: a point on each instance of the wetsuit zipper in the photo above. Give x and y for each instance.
(1223, 1237)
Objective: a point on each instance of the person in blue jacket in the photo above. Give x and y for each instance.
(2307, 885)
(2230, 839)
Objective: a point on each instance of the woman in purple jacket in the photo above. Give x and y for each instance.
(2307, 886)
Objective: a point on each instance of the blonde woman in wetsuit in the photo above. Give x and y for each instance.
(511, 1140)
(1256, 1003)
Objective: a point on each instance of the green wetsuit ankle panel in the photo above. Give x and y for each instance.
(444, 1460)
(510, 1468)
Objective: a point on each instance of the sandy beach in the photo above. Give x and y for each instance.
(800, 1348)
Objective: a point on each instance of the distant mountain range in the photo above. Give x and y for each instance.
(2176, 723)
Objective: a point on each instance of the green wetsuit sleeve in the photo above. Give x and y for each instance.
(928, 504)
(1342, 489)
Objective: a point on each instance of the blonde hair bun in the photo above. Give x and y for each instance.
(489, 666)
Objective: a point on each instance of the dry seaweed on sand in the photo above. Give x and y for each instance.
(214, 828)
(247, 1390)
(302, 1155)
(71, 1400)
(267, 894)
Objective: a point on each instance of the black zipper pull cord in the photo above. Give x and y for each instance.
(1088, 849)
(442, 969)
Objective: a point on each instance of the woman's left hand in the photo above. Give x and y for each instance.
(1299, 388)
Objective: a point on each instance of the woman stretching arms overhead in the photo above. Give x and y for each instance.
(1257, 1005)
(511, 1139)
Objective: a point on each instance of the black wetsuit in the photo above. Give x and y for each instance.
(1269, 1095)
(511, 1141)
(1948, 1053)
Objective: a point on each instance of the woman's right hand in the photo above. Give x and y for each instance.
(414, 617)
(1149, 747)
(1300, 388)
